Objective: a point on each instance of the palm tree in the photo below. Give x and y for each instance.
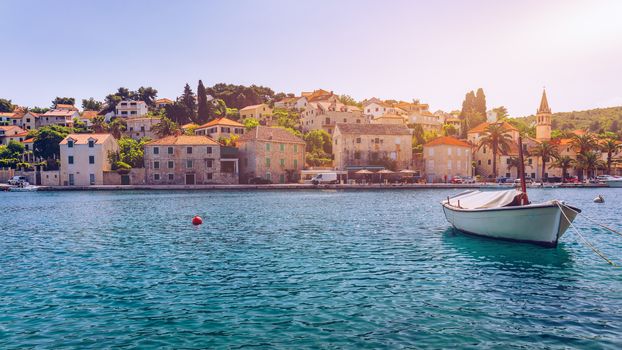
(589, 161)
(611, 146)
(546, 151)
(585, 143)
(98, 124)
(563, 162)
(497, 139)
(514, 162)
(117, 127)
(165, 127)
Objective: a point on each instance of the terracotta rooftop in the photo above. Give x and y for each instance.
(183, 140)
(264, 133)
(11, 127)
(66, 106)
(482, 127)
(373, 129)
(83, 139)
(447, 140)
(89, 114)
(59, 113)
(163, 100)
(221, 121)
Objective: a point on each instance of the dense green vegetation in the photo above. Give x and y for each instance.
(596, 120)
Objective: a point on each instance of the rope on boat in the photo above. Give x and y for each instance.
(594, 221)
(598, 252)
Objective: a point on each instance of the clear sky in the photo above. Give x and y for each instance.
(432, 50)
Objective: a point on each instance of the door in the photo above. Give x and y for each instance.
(125, 179)
(71, 180)
(189, 179)
(37, 178)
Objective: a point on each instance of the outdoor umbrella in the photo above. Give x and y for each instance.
(384, 171)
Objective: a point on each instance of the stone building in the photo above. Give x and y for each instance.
(273, 154)
(361, 145)
(446, 157)
(189, 160)
(221, 127)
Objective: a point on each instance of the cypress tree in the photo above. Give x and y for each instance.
(188, 101)
(480, 102)
(203, 110)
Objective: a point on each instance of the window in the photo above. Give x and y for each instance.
(282, 162)
(209, 150)
(295, 163)
(91, 143)
(189, 150)
(209, 163)
(377, 140)
(267, 146)
(156, 165)
(70, 159)
(448, 151)
(484, 150)
(156, 150)
(431, 152)
(209, 176)
(268, 162)
(533, 175)
(189, 163)
(171, 164)
(479, 162)
(488, 161)
(357, 155)
(91, 159)
(508, 161)
(448, 164)
(282, 147)
(70, 143)
(171, 177)
(92, 179)
(358, 140)
(170, 150)
(296, 148)
(530, 161)
(156, 177)
(508, 175)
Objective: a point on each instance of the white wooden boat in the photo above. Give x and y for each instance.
(24, 187)
(499, 214)
(509, 215)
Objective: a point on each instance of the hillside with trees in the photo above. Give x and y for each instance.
(596, 120)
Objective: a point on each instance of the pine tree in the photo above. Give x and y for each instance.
(188, 101)
(203, 115)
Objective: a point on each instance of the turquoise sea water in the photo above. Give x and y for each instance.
(300, 269)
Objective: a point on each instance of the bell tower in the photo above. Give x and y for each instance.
(543, 120)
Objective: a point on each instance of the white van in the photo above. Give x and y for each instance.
(324, 178)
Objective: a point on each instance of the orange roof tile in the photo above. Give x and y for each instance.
(83, 139)
(447, 140)
(221, 121)
(30, 140)
(482, 127)
(182, 140)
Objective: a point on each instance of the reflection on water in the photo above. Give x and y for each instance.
(507, 254)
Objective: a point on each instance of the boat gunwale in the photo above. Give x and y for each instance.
(518, 207)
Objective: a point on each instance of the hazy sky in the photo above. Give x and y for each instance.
(432, 50)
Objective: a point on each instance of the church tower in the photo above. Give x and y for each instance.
(543, 120)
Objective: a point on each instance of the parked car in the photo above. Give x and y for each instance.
(259, 181)
(456, 180)
(502, 180)
(17, 180)
(468, 180)
(324, 178)
(572, 179)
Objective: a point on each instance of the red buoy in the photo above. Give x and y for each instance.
(197, 220)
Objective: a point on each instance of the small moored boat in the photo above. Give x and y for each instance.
(500, 215)
(509, 215)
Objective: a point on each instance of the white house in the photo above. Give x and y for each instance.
(131, 109)
(84, 158)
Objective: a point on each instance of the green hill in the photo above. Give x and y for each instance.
(596, 120)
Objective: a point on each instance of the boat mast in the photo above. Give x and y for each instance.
(521, 169)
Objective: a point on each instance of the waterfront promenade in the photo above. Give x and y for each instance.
(292, 186)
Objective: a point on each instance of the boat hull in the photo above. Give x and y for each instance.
(614, 183)
(541, 224)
